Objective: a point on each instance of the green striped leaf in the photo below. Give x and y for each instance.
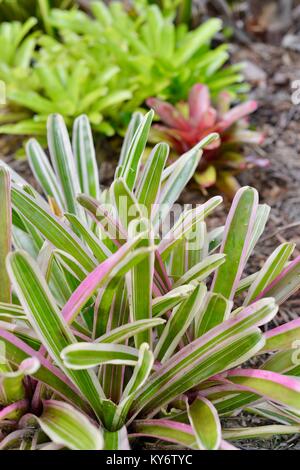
(135, 121)
(260, 432)
(214, 311)
(132, 159)
(190, 367)
(140, 281)
(5, 233)
(67, 426)
(85, 157)
(97, 247)
(166, 430)
(205, 422)
(106, 276)
(149, 186)
(12, 310)
(285, 284)
(262, 215)
(283, 362)
(140, 374)
(16, 351)
(125, 202)
(175, 183)
(201, 270)
(110, 228)
(120, 334)
(162, 304)
(12, 387)
(283, 337)
(271, 269)
(47, 321)
(88, 355)
(43, 172)
(270, 385)
(238, 230)
(178, 323)
(180, 162)
(116, 440)
(213, 352)
(63, 161)
(36, 237)
(51, 227)
(187, 222)
(274, 412)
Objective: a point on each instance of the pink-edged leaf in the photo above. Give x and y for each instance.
(270, 270)
(15, 410)
(16, 351)
(283, 337)
(166, 430)
(46, 319)
(236, 113)
(65, 425)
(194, 364)
(260, 432)
(285, 284)
(13, 439)
(236, 239)
(205, 423)
(95, 280)
(186, 368)
(199, 103)
(271, 385)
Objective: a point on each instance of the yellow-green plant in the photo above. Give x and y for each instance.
(108, 65)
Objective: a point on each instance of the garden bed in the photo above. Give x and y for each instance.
(270, 70)
(278, 184)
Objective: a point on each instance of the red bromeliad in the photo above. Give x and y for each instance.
(188, 123)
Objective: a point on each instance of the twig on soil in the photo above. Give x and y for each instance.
(281, 229)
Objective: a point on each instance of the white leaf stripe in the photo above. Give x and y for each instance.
(63, 161)
(51, 227)
(88, 355)
(85, 157)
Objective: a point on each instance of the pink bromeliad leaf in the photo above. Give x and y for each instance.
(168, 113)
(185, 124)
(199, 103)
(236, 113)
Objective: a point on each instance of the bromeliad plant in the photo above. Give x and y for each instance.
(18, 42)
(111, 63)
(185, 125)
(180, 10)
(21, 10)
(115, 330)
